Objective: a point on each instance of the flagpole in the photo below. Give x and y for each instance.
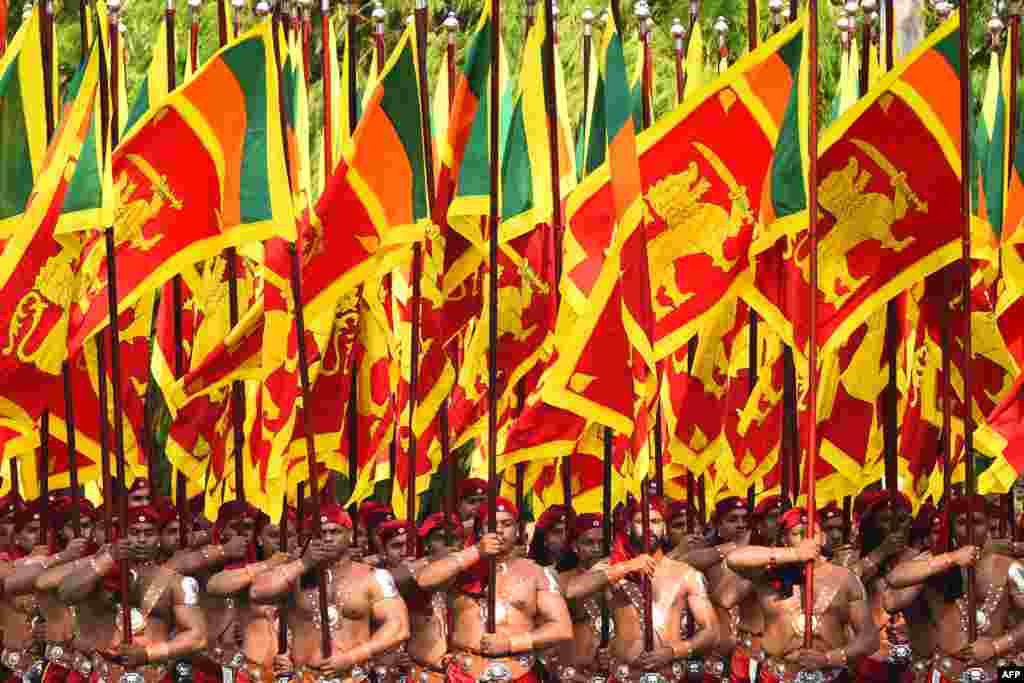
(1014, 56)
(812, 351)
(193, 41)
(113, 7)
(588, 38)
(451, 25)
(492, 304)
(300, 333)
(180, 486)
(965, 302)
(753, 21)
(865, 45)
(101, 336)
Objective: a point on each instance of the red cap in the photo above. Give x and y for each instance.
(332, 513)
(974, 503)
(768, 505)
(500, 505)
(587, 522)
(553, 515)
(139, 484)
(793, 518)
(472, 487)
(436, 521)
(10, 505)
(679, 508)
(392, 528)
(830, 511)
(727, 505)
(144, 513)
(26, 514)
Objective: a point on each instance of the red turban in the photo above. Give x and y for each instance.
(63, 509)
(974, 503)
(768, 505)
(144, 513)
(793, 518)
(830, 511)
(139, 484)
(26, 514)
(587, 522)
(436, 521)
(369, 506)
(472, 487)
(727, 505)
(377, 516)
(553, 515)
(679, 508)
(500, 505)
(875, 500)
(392, 528)
(10, 505)
(231, 512)
(332, 513)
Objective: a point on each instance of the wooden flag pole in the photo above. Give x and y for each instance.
(812, 351)
(351, 16)
(300, 332)
(193, 40)
(965, 302)
(1013, 44)
(492, 284)
(114, 7)
(180, 485)
(417, 261)
(606, 528)
(451, 469)
(752, 352)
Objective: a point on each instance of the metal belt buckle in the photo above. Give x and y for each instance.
(650, 677)
(598, 679)
(715, 667)
(974, 675)
(11, 659)
(237, 661)
(695, 666)
(227, 674)
(810, 677)
(132, 677)
(54, 652)
(900, 654)
(497, 673)
(677, 669)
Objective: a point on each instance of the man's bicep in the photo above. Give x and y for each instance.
(1015, 576)
(699, 600)
(551, 606)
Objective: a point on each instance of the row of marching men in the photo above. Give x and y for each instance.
(241, 603)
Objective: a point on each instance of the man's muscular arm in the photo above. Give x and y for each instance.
(192, 561)
(190, 632)
(77, 586)
(703, 559)
(23, 580)
(389, 611)
(915, 572)
(588, 583)
(705, 618)
(1013, 640)
(51, 579)
(732, 590)
(552, 615)
(895, 600)
(866, 638)
(437, 574)
(750, 560)
(231, 581)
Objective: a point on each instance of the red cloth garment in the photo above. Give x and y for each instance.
(871, 670)
(205, 670)
(766, 676)
(739, 668)
(55, 673)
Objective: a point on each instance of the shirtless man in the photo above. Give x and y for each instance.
(9, 507)
(676, 586)
(584, 579)
(937, 580)
(842, 628)
(258, 624)
(731, 530)
(884, 532)
(551, 536)
(359, 598)
(472, 496)
(764, 522)
(681, 516)
(162, 602)
(530, 613)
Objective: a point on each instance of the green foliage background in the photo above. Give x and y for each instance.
(143, 18)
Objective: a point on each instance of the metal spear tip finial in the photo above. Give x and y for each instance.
(588, 15)
(451, 22)
(678, 30)
(194, 4)
(409, 19)
(113, 6)
(262, 8)
(843, 23)
(641, 10)
(238, 4)
(852, 7)
(421, 4)
(995, 24)
(721, 26)
(26, 11)
(774, 6)
(379, 14)
(554, 9)
(868, 5)
(604, 17)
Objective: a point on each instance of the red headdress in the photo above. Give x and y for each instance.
(874, 501)
(437, 521)
(679, 508)
(587, 522)
(231, 512)
(472, 487)
(10, 505)
(793, 518)
(622, 546)
(26, 514)
(974, 503)
(474, 580)
(830, 511)
(554, 515)
(390, 529)
(727, 505)
(332, 513)
(767, 506)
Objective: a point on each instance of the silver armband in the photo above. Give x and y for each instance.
(1016, 574)
(386, 582)
(190, 587)
(553, 585)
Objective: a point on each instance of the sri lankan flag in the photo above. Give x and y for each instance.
(37, 273)
(877, 231)
(1001, 436)
(209, 159)
(22, 124)
(703, 170)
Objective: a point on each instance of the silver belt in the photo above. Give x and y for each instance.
(969, 674)
(623, 673)
(900, 654)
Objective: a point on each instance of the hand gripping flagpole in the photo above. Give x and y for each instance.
(812, 352)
